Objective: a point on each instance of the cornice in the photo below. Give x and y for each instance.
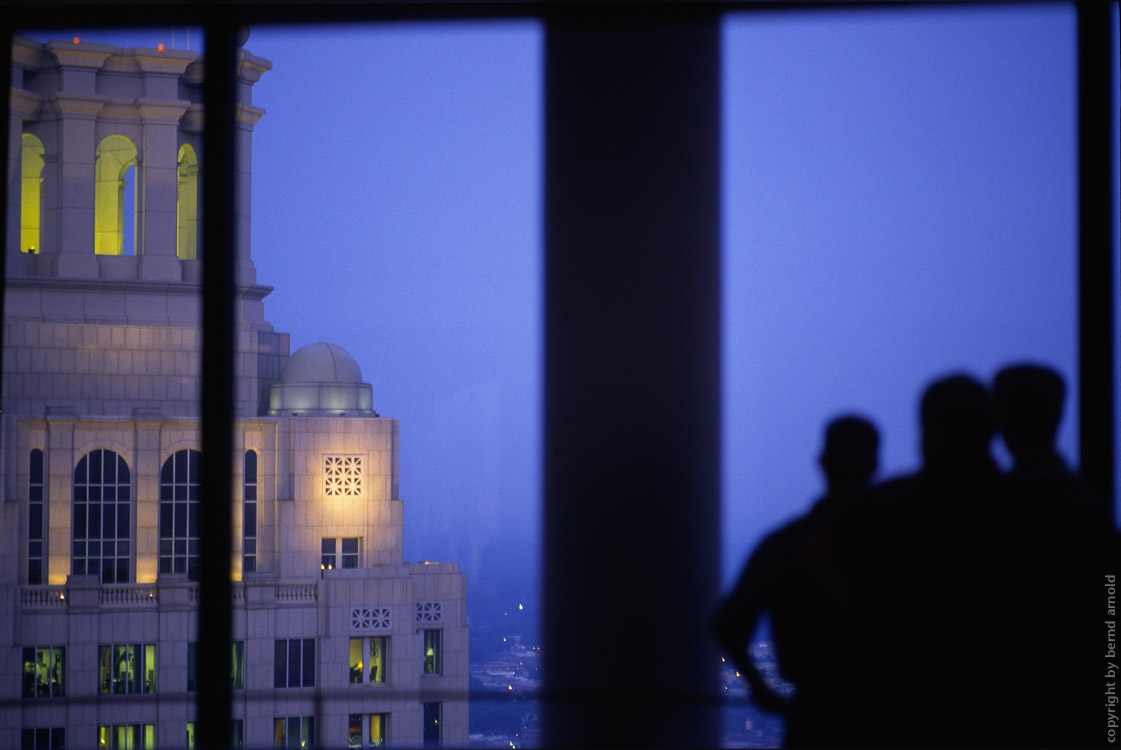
(249, 115)
(78, 105)
(250, 68)
(168, 62)
(161, 110)
(84, 55)
(25, 104)
(253, 292)
(29, 54)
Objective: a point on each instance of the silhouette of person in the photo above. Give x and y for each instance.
(794, 576)
(921, 579)
(1062, 539)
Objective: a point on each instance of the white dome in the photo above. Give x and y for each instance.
(321, 363)
(321, 380)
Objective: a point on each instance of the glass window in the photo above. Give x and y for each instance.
(354, 731)
(432, 652)
(373, 651)
(128, 669)
(127, 737)
(350, 552)
(102, 523)
(294, 663)
(53, 738)
(431, 724)
(249, 514)
(35, 518)
(179, 514)
(44, 671)
(190, 735)
(379, 724)
(327, 559)
(294, 732)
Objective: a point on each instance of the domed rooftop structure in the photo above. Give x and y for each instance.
(321, 363)
(321, 380)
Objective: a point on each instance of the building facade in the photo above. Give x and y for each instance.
(337, 641)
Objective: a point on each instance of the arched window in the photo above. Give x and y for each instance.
(35, 518)
(31, 192)
(179, 514)
(116, 156)
(102, 517)
(186, 204)
(249, 514)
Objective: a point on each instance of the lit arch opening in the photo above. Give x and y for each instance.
(116, 158)
(31, 193)
(186, 204)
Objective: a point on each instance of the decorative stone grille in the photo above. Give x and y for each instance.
(429, 612)
(342, 476)
(370, 618)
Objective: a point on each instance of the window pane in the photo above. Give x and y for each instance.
(355, 661)
(280, 664)
(899, 203)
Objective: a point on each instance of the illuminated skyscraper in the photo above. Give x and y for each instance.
(337, 641)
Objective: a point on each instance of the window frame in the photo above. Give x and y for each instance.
(109, 674)
(56, 662)
(285, 653)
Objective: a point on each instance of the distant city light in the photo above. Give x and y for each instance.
(520, 607)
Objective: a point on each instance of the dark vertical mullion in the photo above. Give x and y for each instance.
(218, 167)
(632, 377)
(1096, 274)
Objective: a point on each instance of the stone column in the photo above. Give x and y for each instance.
(70, 204)
(250, 68)
(160, 108)
(158, 183)
(59, 455)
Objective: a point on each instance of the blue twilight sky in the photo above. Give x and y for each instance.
(899, 194)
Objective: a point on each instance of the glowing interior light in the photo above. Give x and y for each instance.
(159, 47)
(75, 40)
(520, 607)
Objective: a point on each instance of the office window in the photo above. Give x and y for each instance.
(431, 724)
(53, 738)
(294, 663)
(44, 671)
(330, 557)
(433, 657)
(102, 526)
(127, 669)
(354, 731)
(294, 732)
(350, 552)
(179, 514)
(249, 514)
(237, 666)
(368, 651)
(378, 723)
(191, 735)
(35, 518)
(127, 737)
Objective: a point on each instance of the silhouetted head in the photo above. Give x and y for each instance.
(1029, 407)
(957, 424)
(850, 455)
